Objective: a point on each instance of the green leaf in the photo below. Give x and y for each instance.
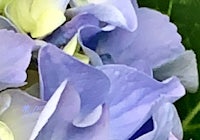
(186, 15)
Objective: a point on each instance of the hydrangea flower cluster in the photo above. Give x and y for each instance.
(108, 70)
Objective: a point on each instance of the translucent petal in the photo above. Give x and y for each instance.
(22, 114)
(184, 67)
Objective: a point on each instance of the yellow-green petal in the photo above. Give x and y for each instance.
(37, 17)
(49, 16)
(3, 4)
(5, 132)
(83, 58)
(48, 22)
(71, 46)
(19, 12)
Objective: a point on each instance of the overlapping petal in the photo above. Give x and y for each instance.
(166, 124)
(88, 81)
(21, 114)
(184, 67)
(6, 24)
(154, 32)
(118, 13)
(80, 97)
(15, 55)
(86, 26)
(138, 49)
(64, 33)
(133, 98)
(155, 42)
(130, 91)
(38, 18)
(30, 118)
(56, 119)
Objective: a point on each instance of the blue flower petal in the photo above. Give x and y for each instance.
(165, 117)
(59, 111)
(89, 35)
(56, 66)
(113, 12)
(6, 24)
(64, 33)
(133, 93)
(55, 121)
(157, 40)
(147, 127)
(135, 4)
(15, 55)
(84, 36)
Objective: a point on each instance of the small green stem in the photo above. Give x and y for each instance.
(190, 116)
(170, 8)
(192, 127)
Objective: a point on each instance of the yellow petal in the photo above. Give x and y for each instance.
(83, 58)
(3, 4)
(5, 132)
(37, 17)
(19, 12)
(71, 46)
(47, 22)
(40, 6)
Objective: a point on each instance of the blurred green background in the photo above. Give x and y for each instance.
(186, 15)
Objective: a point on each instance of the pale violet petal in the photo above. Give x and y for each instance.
(156, 40)
(71, 104)
(132, 91)
(114, 16)
(92, 84)
(13, 65)
(95, 60)
(98, 131)
(172, 137)
(64, 33)
(84, 35)
(90, 119)
(184, 67)
(56, 119)
(155, 33)
(6, 24)
(22, 113)
(135, 4)
(119, 13)
(165, 117)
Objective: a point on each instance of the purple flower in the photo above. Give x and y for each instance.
(152, 45)
(119, 100)
(155, 44)
(124, 90)
(109, 102)
(15, 55)
(117, 13)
